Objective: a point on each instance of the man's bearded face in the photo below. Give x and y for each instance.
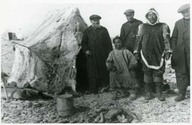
(95, 23)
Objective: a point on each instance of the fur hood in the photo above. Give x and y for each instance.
(154, 11)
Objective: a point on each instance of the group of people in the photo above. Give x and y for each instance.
(138, 59)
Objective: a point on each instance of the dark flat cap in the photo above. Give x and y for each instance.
(183, 8)
(94, 16)
(129, 11)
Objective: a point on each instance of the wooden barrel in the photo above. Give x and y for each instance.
(65, 105)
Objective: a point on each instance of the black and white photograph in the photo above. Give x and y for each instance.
(97, 61)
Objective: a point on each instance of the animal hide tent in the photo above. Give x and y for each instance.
(46, 59)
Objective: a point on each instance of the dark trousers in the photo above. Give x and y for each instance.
(140, 74)
(183, 76)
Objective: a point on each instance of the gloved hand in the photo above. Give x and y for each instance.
(112, 68)
(88, 53)
(167, 55)
(137, 56)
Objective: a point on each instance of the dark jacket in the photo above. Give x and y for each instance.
(129, 32)
(180, 43)
(178, 32)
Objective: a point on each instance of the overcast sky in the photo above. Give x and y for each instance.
(24, 17)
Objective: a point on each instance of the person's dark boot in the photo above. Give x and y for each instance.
(133, 94)
(148, 96)
(159, 87)
(148, 88)
(180, 97)
(114, 95)
(166, 88)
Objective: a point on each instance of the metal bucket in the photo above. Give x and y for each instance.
(65, 105)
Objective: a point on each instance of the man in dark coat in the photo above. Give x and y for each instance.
(181, 51)
(128, 35)
(129, 30)
(96, 44)
(153, 44)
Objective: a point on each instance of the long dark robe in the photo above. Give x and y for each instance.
(81, 77)
(99, 43)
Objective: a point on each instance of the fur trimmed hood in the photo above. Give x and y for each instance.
(154, 11)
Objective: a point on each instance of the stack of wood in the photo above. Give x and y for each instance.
(112, 115)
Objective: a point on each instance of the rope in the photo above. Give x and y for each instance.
(35, 53)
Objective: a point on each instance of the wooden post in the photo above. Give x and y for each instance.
(4, 80)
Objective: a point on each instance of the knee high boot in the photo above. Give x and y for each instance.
(148, 89)
(133, 94)
(159, 88)
(182, 84)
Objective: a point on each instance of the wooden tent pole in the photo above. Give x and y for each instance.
(4, 80)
